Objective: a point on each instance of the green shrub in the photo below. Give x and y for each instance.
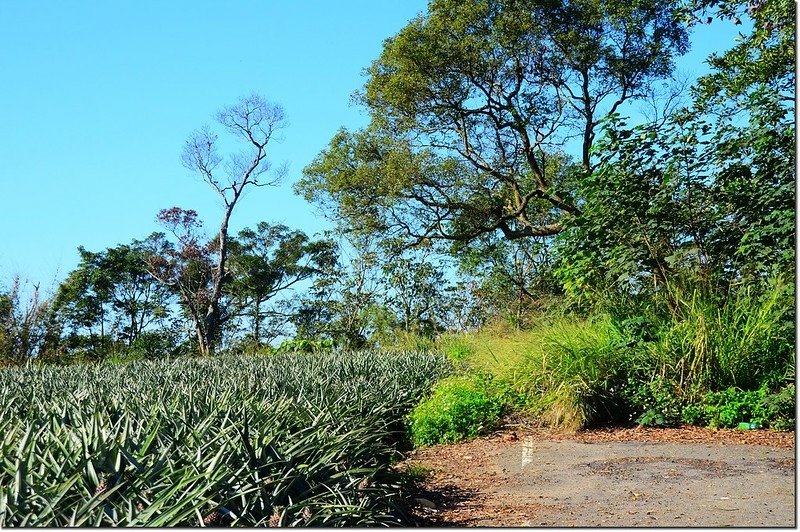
(732, 406)
(780, 408)
(693, 414)
(460, 408)
(508, 394)
(653, 403)
(457, 349)
(659, 403)
(729, 407)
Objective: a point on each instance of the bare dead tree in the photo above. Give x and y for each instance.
(660, 101)
(253, 123)
(27, 327)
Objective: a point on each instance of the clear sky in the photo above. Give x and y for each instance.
(98, 98)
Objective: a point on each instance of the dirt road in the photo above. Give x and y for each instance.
(624, 478)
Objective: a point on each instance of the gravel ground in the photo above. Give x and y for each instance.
(686, 477)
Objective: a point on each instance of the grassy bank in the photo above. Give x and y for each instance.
(703, 361)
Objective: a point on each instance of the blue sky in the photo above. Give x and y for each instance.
(99, 96)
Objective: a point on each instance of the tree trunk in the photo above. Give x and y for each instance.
(211, 328)
(134, 329)
(212, 318)
(102, 332)
(257, 324)
(202, 339)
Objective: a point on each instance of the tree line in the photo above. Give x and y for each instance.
(500, 175)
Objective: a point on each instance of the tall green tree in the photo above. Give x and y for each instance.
(471, 104)
(648, 212)
(749, 97)
(84, 298)
(112, 296)
(711, 192)
(513, 279)
(268, 261)
(343, 303)
(28, 326)
(762, 58)
(415, 291)
(185, 265)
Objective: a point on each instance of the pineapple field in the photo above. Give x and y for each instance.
(304, 440)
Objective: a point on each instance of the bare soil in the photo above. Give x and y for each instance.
(685, 477)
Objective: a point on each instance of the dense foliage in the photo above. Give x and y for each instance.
(247, 441)
(459, 408)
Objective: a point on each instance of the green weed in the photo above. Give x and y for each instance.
(460, 408)
(653, 403)
(457, 348)
(575, 378)
(731, 406)
(711, 344)
(780, 408)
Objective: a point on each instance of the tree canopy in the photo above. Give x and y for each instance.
(708, 193)
(472, 106)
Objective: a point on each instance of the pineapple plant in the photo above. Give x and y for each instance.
(230, 441)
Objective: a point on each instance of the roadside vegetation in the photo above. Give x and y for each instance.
(711, 364)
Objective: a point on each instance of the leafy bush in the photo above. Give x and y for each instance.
(460, 408)
(660, 403)
(457, 349)
(653, 403)
(693, 414)
(729, 407)
(732, 406)
(780, 408)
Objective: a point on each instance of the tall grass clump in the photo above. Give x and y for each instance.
(565, 372)
(288, 440)
(574, 377)
(652, 361)
(678, 355)
(711, 343)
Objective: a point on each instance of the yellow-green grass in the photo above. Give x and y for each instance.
(500, 352)
(564, 367)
